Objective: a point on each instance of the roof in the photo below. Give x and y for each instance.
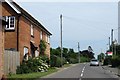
(20, 10)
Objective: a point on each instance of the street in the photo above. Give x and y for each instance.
(83, 71)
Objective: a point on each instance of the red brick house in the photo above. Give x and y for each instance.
(24, 32)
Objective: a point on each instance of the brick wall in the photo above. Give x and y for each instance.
(47, 52)
(24, 36)
(10, 37)
(1, 49)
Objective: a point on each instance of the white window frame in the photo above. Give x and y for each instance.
(48, 38)
(26, 52)
(32, 30)
(8, 26)
(41, 35)
(36, 53)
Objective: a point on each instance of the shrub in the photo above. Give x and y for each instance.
(32, 65)
(73, 61)
(115, 61)
(107, 60)
(55, 61)
(58, 62)
(84, 59)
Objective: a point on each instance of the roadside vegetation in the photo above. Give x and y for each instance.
(33, 75)
(69, 56)
(114, 59)
(41, 66)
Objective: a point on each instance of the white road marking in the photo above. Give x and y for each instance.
(81, 74)
(82, 71)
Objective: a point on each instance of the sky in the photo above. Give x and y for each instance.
(86, 22)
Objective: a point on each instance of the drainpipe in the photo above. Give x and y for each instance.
(18, 32)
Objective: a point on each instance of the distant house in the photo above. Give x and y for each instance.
(24, 32)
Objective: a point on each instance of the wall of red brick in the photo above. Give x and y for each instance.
(1, 49)
(24, 36)
(1, 37)
(47, 52)
(36, 36)
(10, 37)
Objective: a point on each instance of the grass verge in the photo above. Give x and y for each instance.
(33, 75)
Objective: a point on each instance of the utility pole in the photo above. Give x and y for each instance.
(112, 36)
(115, 44)
(109, 43)
(112, 39)
(79, 51)
(61, 37)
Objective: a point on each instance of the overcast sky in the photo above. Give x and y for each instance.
(88, 23)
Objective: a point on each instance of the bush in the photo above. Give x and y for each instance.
(73, 61)
(115, 61)
(55, 61)
(32, 65)
(84, 59)
(107, 60)
(58, 62)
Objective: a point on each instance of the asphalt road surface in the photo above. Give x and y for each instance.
(82, 71)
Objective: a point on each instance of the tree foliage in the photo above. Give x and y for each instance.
(87, 54)
(101, 57)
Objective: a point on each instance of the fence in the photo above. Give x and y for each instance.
(11, 61)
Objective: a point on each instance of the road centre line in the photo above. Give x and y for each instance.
(82, 71)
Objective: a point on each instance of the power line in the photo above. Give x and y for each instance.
(88, 22)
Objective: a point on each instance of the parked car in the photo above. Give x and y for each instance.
(94, 62)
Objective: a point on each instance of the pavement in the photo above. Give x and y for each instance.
(115, 71)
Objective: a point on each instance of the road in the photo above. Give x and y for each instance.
(83, 71)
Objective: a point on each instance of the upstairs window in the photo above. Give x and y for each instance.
(48, 39)
(11, 23)
(31, 30)
(41, 35)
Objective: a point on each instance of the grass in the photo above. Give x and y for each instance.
(66, 65)
(33, 75)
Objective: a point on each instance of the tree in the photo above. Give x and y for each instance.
(90, 49)
(88, 54)
(101, 57)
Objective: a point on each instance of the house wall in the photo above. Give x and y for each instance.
(1, 44)
(47, 52)
(24, 33)
(10, 37)
(24, 36)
